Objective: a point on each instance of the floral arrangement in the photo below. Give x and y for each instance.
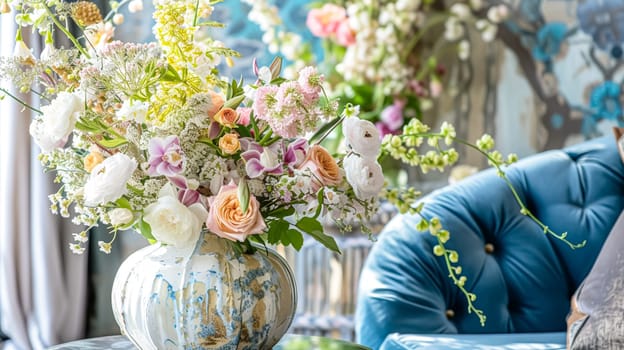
(151, 137)
(387, 56)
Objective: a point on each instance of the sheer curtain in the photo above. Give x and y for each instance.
(42, 284)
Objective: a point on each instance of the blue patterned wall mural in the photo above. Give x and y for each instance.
(570, 53)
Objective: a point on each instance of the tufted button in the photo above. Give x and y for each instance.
(450, 313)
(489, 248)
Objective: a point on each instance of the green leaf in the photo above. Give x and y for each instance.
(284, 239)
(319, 197)
(296, 238)
(87, 125)
(282, 212)
(171, 75)
(123, 202)
(243, 195)
(234, 102)
(276, 67)
(276, 229)
(146, 230)
(243, 131)
(112, 143)
(314, 228)
(230, 91)
(258, 239)
(320, 133)
(208, 141)
(278, 81)
(254, 125)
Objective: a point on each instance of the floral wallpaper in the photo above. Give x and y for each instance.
(569, 54)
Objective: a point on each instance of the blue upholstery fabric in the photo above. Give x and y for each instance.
(533, 341)
(525, 284)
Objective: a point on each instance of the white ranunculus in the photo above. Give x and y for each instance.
(172, 222)
(362, 137)
(364, 175)
(120, 216)
(108, 179)
(133, 110)
(52, 129)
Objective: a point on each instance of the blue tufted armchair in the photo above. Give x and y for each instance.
(523, 278)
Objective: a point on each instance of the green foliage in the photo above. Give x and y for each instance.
(112, 143)
(146, 230)
(314, 228)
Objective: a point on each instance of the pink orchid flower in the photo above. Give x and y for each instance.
(166, 156)
(260, 160)
(187, 193)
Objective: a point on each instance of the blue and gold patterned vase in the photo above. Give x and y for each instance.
(204, 297)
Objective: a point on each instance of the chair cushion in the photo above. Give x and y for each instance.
(525, 283)
(534, 341)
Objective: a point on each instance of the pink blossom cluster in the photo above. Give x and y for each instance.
(392, 119)
(331, 21)
(291, 108)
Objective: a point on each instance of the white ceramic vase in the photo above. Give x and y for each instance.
(204, 297)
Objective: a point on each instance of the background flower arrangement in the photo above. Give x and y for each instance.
(389, 57)
(151, 137)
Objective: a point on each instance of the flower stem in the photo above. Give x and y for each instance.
(470, 297)
(20, 101)
(523, 208)
(65, 31)
(111, 13)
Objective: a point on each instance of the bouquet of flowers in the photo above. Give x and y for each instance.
(151, 137)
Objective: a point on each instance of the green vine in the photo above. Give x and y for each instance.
(404, 147)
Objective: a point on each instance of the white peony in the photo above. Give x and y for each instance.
(53, 128)
(362, 137)
(133, 111)
(108, 179)
(172, 222)
(364, 175)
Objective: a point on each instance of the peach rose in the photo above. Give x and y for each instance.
(324, 21)
(324, 167)
(227, 220)
(217, 101)
(92, 160)
(226, 117)
(229, 143)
